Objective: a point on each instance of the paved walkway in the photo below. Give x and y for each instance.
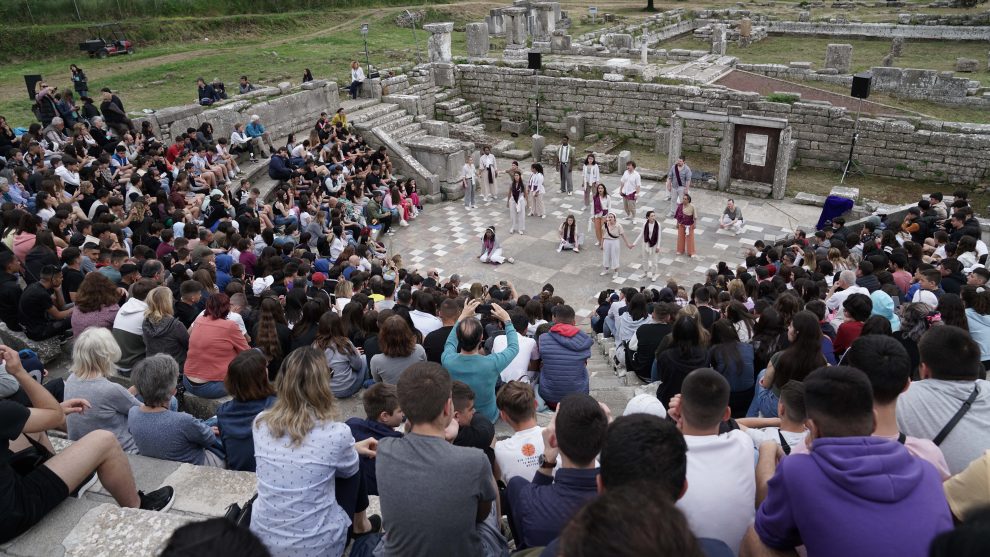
(447, 237)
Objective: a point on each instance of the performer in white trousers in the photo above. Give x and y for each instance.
(467, 181)
(536, 191)
(570, 238)
(650, 236)
(611, 232)
(489, 172)
(590, 177)
(491, 249)
(564, 165)
(678, 183)
(516, 201)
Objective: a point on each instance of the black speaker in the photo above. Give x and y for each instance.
(31, 81)
(535, 61)
(861, 85)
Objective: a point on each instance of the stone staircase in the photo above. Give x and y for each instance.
(459, 111)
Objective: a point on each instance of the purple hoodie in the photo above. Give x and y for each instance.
(854, 496)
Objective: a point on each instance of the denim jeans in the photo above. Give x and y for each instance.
(282, 221)
(764, 401)
(609, 329)
(210, 389)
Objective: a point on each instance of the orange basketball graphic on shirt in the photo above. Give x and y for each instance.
(528, 449)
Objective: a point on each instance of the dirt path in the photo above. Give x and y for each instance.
(747, 81)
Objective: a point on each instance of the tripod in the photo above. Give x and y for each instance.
(851, 164)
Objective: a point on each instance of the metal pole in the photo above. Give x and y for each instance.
(852, 146)
(367, 57)
(536, 73)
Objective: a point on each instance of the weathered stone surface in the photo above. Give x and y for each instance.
(513, 126)
(225, 486)
(515, 26)
(112, 530)
(575, 126)
(967, 65)
(613, 77)
(202, 408)
(897, 46)
(438, 44)
(478, 42)
(718, 39)
(845, 191)
(839, 57)
(615, 41)
(538, 142)
(560, 42)
(622, 159)
(437, 128)
(47, 350)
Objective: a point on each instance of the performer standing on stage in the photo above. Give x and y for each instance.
(564, 165)
(570, 238)
(678, 182)
(686, 219)
(602, 205)
(629, 191)
(536, 191)
(590, 176)
(650, 235)
(491, 249)
(489, 171)
(467, 180)
(612, 231)
(516, 201)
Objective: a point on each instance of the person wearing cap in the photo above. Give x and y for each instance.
(255, 129)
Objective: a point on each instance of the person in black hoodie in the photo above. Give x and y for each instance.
(866, 278)
(10, 290)
(682, 356)
(382, 416)
(647, 339)
(952, 277)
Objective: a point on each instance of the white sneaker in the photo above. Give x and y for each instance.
(511, 260)
(403, 223)
(559, 248)
(598, 243)
(522, 232)
(603, 273)
(543, 216)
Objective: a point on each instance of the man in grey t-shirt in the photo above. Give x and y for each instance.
(435, 497)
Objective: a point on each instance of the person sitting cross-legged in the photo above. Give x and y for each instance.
(32, 494)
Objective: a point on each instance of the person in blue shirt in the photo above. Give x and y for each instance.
(478, 371)
(256, 129)
(247, 382)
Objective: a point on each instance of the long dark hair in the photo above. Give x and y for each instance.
(804, 355)
(331, 336)
(269, 316)
(637, 306)
(725, 348)
(310, 317)
(685, 335)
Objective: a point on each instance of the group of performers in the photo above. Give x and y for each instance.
(526, 199)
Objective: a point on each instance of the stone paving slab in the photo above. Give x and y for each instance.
(109, 530)
(209, 491)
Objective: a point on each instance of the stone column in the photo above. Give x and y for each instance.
(725, 155)
(718, 39)
(674, 140)
(838, 57)
(783, 164)
(575, 127)
(495, 21)
(538, 143)
(560, 41)
(545, 23)
(477, 39)
(438, 44)
(556, 11)
(745, 32)
(515, 27)
(661, 140)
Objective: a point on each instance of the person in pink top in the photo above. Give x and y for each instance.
(213, 342)
(96, 304)
(27, 231)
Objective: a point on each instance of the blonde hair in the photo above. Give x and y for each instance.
(344, 288)
(304, 396)
(94, 353)
(159, 302)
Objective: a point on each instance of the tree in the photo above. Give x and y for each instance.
(649, 6)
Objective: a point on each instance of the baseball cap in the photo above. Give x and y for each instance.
(645, 404)
(319, 278)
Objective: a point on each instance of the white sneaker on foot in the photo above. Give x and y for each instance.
(603, 273)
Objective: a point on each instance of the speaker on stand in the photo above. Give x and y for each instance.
(31, 81)
(860, 90)
(535, 63)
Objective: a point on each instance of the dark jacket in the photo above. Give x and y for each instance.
(168, 336)
(279, 168)
(869, 282)
(649, 337)
(673, 366)
(235, 419)
(363, 429)
(38, 257)
(541, 508)
(10, 300)
(565, 350)
(952, 284)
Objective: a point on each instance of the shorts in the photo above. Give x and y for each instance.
(34, 496)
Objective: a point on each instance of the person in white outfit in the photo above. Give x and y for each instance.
(489, 172)
(678, 182)
(564, 163)
(516, 201)
(357, 79)
(732, 218)
(590, 177)
(650, 236)
(536, 191)
(629, 190)
(467, 181)
(570, 238)
(491, 249)
(611, 232)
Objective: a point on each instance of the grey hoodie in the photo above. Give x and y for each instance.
(168, 336)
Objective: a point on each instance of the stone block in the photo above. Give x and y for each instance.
(896, 46)
(478, 41)
(202, 408)
(575, 126)
(613, 77)
(437, 128)
(967, 65)
(800, 65)
(371, 89)
(845, 191)
(538, 142)
(615, 41)
(112, 530)
(621, 161)
(560, 42)
(47, 350)
(443, 75)
(839, 57)
(284, 87)
(662, 140)
(804, 16)
(513, 126)
(209, 491)
(803, 198)
(438, 43)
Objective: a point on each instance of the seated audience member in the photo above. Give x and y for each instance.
(187, 306)
(163, 433)
(540, 508)
(129, 324)
(302, 456)
(969, 491)
(720, 470)
(564, 351)
(93, 355)
(220, 537)
(969, 539)
(881, 499)
(399, 350)
(348, 368)
(790, 432)
(647, 339)
(434, 342)
(162, 332)
(520, 366)
(734, 360)
(248, 385)
(677, 359)
(10, 290)
(42, 312)
(34, 493)
(518, 455)
(382, 416)
(434, 496)
(214, 341)
(888, 368)
(463, 359)
(95, 305)
(950, 369)
(857, 309)
(473, 429)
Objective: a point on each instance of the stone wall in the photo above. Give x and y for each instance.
(880, 30)
(909, 148)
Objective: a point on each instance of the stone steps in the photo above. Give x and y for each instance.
(397, 123)
(383, 119)
(370, 113)
(476, 121)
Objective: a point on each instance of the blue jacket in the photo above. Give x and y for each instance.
(254, 129)
(363, 429)
(224, 262)
(279, 168)
(541, 508)
(235, 419)
(565, 350)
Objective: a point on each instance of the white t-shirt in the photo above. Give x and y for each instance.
(424, 322)
(519, 455)
(630, 182)
(719, 502)
(759, 435)
(518, 368)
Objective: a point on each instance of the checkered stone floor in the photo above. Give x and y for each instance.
(448, 237)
